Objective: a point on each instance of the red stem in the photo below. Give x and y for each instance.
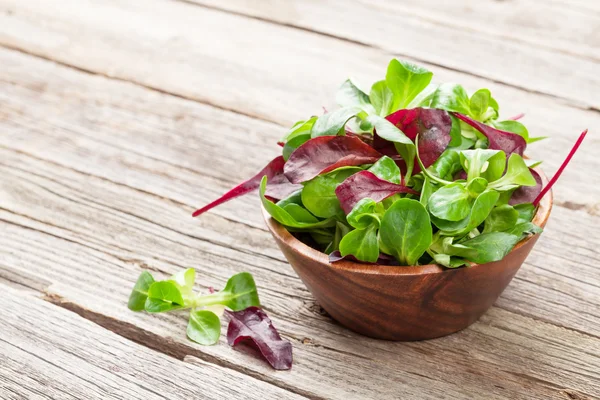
(517, 117)
(561, 169)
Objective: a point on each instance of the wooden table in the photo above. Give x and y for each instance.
(118, 118)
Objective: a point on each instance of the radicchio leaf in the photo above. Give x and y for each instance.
(254, 324)
(561, 169)
(274, 168)
(366, 184)
(498, 140)
(383, 259)
(431, 125)
(323, 154)
(527, 194)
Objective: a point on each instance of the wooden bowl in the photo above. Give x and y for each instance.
(403, 303)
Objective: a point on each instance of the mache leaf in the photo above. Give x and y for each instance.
(406, 231)
(139, 294)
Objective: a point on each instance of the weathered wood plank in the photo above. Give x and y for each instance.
(47, 352)
(538, 24)
(103, 232)
(504, 355)
(264, 74)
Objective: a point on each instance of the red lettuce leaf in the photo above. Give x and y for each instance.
(527, 194)
(324, 154)
(254, 324)
(431, 125)
(383, 259)
(498, 140)
(366, 184)
(274, 168)
(561, 169)
(280, 187)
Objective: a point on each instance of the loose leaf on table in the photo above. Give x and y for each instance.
(361, 243)
(163, 296)
(527, 194)
(204, 327)
(350, 95)
(501, 218)
(366, 184)
(239, 293)
(332, 123)
(254, 324)
(139, 294)
(319, 194)
(275, 167)
(406, 81)
(406, 231)
(451, 97)
(185, 282)
(324, 154)
(451, 202)
(281, 215)
(498, 140)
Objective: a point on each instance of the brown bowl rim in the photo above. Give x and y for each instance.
(283, 235)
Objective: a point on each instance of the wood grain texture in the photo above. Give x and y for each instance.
(50, 353)
(191, 58)
(519, 43)
(99, 179)
(545, 24)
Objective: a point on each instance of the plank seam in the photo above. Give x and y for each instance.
(139, 84)
(165, 345)
(568, 102)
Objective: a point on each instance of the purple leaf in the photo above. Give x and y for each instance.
(254, 324)
(274, 168)
(431, 125)
(383, 259)
(527, 194)
(561, 169)
(366, 184)
(498, 140)
(326, 153)
(280, 187)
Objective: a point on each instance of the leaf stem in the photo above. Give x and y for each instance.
(561, 169)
